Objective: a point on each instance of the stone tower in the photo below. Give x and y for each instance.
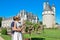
(48, 15)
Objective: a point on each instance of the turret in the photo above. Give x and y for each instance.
(46, 6)
(53, 8)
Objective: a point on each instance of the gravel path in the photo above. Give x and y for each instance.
(1, 38)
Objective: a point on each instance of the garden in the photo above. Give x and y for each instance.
(35, 32)
(47, 34)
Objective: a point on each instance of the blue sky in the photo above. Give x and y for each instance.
(10, 8)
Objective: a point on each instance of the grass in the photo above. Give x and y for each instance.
(48, 34)
(6, 37)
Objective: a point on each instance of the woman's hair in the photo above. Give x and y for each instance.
(16, 18)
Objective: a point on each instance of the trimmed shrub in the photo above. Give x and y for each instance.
(37, 38)
(4, 31)
(26, 29)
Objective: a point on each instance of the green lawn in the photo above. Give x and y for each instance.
(6, 37)
(48, 34)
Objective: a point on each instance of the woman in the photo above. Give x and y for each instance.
(16, 28)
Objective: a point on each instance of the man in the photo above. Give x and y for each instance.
(16, 28)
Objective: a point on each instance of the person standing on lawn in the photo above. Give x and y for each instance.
(16, 28)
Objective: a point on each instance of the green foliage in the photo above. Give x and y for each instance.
(41, 22)
(6, 37)
(35, 26)
(32, 26)
(4, 31)
(26, 30)
(49, 34)
(37, 38)
(28, 23)
(57, 23)
(0, 21)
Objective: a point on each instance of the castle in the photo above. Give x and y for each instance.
(48, 15)
(24, 15)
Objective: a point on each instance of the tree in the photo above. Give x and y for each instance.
(0, 21)
(4, 31)
(28, 26)
(57, 23)
(36, 25)
(41, 22)
(32, 27)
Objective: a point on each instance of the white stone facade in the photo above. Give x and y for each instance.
(28, 16)
(23, 15)
(6, 23)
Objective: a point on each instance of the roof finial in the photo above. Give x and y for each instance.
(47, 0)
(53, 5)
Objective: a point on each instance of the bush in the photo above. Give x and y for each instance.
(37, 38)
(4, 31)
(26, 29)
